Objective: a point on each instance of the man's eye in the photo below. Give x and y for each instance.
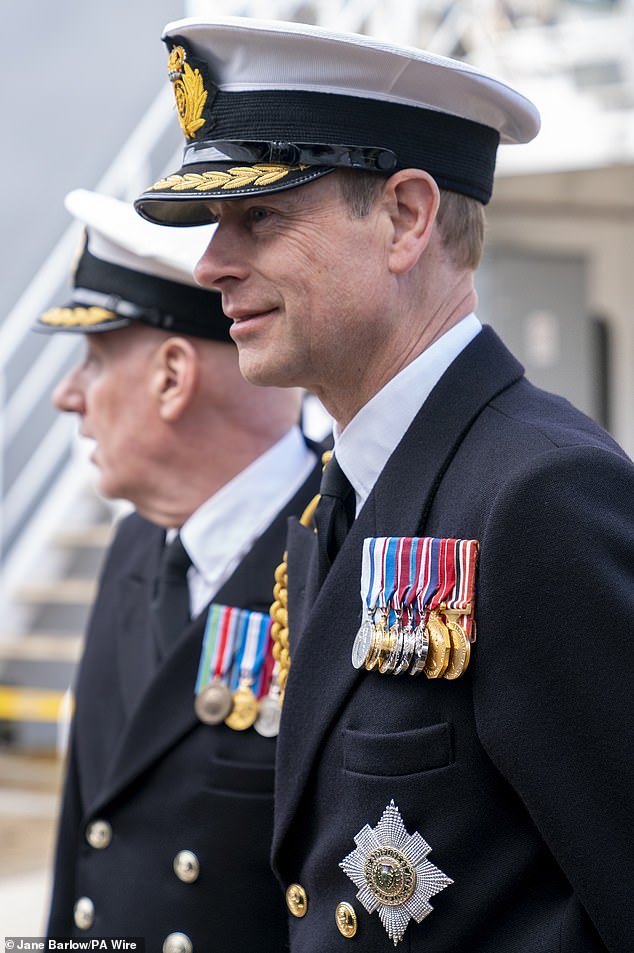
(259, 214)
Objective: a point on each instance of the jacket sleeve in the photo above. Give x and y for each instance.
(554, 679)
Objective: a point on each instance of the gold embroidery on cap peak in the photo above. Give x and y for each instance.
(77, 317)
(189, 92)
(239, 176)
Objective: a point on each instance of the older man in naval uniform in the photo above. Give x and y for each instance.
(455, 761)
(168, 806)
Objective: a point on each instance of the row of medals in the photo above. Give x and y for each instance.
(435, 644)
(240, 709)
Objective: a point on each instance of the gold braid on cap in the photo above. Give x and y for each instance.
(77, 317)
(236, 178)
(279, 608)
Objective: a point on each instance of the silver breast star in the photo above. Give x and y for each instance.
(391, 870)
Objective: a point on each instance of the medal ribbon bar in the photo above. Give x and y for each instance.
(417, 598)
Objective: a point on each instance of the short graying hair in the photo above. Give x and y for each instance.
(461, 219)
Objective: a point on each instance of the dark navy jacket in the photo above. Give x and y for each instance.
(520, 775)
(141, 760)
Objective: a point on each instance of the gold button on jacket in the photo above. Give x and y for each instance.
(346, 919)
(296, 900)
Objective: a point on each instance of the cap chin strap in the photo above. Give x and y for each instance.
(368, 158)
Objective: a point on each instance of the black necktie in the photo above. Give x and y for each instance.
(333, 516)
(170, 606)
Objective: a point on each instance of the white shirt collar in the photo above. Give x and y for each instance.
(222, 530)
(365, 445)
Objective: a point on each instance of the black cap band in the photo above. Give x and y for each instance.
(136, 296)
(458, 153)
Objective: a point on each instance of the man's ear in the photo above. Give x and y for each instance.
(174, 376)
(412, 198)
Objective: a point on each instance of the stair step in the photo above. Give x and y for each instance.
(77, 591)
(35, 772)
(42, 647)
(31, 704)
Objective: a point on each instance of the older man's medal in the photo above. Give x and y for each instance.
(254, 639)
(234, 663)
(213, 696)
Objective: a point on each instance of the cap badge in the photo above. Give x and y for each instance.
(391, 869)
(189, 92)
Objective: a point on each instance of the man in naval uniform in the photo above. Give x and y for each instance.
(422, 802)
(168, 806)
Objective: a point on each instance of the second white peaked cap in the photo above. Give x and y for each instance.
(130, 270)
(116, 234)
(293, 101)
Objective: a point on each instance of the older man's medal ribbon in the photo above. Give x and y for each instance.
(255, 632)
(234, 664)
(213, 696)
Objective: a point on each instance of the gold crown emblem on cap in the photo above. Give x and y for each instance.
(189, 92)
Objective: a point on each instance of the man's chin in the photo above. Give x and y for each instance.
(257, 370)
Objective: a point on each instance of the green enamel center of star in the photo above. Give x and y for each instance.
(385, 875)
(390, 876)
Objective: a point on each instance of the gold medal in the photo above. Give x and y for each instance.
(213, 703)
(374, 652)
(439, 646)
(460, 647)
(245, 708)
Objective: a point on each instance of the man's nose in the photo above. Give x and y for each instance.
(223, 259)
(67, 395)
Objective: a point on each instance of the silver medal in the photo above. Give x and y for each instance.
(267, 723)
(421, 647)
(407, 649)
(362, 643)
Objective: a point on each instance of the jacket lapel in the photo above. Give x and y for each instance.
(321, 674)
(165, 710)
(164, 714)
(136, 653)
